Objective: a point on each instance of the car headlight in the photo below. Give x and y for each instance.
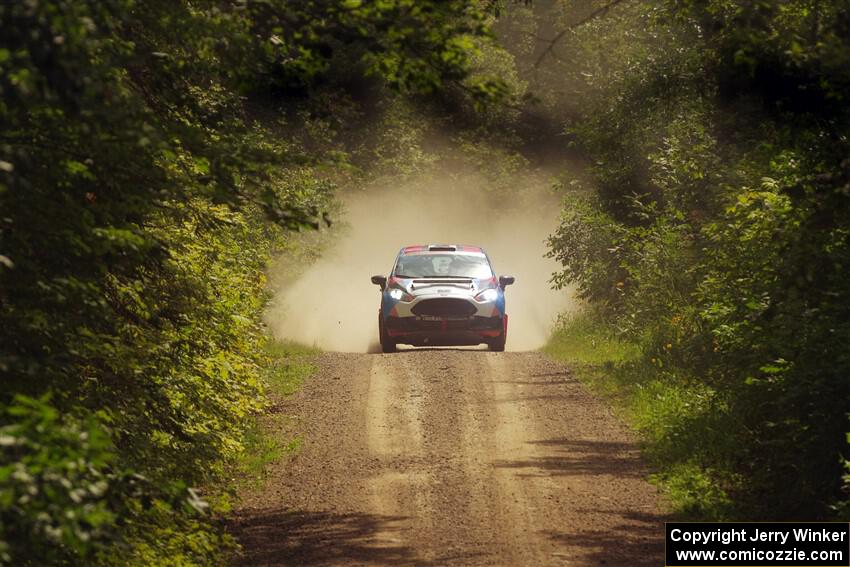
(487, 296)
(400, 295)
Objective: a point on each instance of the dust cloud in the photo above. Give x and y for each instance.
(333, 304)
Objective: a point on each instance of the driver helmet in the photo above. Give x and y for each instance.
(442, 265)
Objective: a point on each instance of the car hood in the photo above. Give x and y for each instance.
(440, 287)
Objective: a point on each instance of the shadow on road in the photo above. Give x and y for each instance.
(634, 542)
(580, 457)
(275, 537)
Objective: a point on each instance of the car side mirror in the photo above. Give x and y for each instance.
(505, 281)
(380, 281)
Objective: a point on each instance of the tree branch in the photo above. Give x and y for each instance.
(552, 42)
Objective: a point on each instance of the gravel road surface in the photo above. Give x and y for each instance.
(452, 457)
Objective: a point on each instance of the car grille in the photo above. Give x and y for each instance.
(412, 324)
(444, 307)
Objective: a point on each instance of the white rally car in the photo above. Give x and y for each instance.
(440, 295)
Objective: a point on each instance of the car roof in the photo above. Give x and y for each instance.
(436, 248)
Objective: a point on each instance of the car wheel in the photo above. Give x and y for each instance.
(387, 345)
(498, 344)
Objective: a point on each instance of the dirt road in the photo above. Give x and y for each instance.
(453, 457)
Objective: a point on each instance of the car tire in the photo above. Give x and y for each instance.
(498, 344)
(387, 345)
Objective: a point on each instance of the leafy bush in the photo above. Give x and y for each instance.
(718, 240)
(587, 243)
(55, 483)
(141, 201)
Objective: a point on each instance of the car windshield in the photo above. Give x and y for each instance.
(443, 266)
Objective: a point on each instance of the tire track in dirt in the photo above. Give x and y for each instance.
(453, 457)
(394, 433)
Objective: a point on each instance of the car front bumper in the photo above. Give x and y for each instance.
(444, 331)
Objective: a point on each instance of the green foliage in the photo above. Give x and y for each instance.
(290, 365)
(168, 533)
(586, 243)
(396, 139)
(720, 164)
(66, 501)
(55, 483)
(287, 366)
(414, 46)
(136, 190)
(585, 339)
(683, 422)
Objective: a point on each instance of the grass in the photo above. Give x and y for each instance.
(271, 436)
(594, 351)
(585, 340)
(681, 422)
(290, 364)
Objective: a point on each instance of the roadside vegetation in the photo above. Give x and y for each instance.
(272, 435)
(678, 420)
(712, 236)
(154, 157)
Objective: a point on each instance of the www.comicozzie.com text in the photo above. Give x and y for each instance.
(743, 534)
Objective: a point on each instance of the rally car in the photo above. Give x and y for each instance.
(441, 295)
